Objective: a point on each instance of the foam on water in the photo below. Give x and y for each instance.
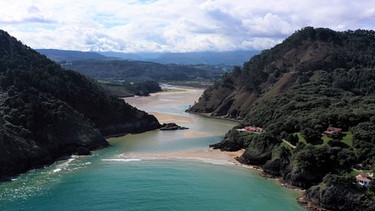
(37, 182)
(64, 165)
(121, 160)
(195, 159)
(56, 170)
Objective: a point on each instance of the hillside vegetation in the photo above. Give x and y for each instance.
(47, 112)
(140, 71)
(315, 79)
(127, 89)
(63, 56)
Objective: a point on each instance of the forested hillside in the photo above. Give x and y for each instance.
(62, 56)
(47, 112)
(315, 79)
(139, 71)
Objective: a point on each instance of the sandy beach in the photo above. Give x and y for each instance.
(166, 118)
(166, 97)
(206, 155)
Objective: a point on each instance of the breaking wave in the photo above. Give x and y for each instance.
(122, 160)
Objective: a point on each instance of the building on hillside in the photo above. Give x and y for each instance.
(360, 167)
(364, 179)
(251, 129)
(332, 130)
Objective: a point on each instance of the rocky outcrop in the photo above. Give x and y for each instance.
(303, 179)
(339, 197)
(279, 167)
(254, 157)
(227, 146)
(231, 142)
(145, 123)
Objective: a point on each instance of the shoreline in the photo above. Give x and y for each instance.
(209, 115)
(205, 155)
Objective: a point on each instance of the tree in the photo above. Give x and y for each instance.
(312, 136)
(293, 139)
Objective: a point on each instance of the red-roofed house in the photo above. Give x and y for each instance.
(363, 179)
(332, 130)
(253, 129)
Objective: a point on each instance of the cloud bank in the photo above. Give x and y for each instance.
(174, 26)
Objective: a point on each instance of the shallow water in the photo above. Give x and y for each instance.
(157, 170)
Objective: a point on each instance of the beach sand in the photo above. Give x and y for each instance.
(202, 154)
(167, 118)
(175, 97)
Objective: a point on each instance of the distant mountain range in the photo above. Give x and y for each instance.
(149, 66)
(207, 58)
(69, 56)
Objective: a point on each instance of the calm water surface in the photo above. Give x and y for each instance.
(109, 180)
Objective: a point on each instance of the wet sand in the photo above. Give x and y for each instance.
(202, 154)
(166, 97)
(166, 118)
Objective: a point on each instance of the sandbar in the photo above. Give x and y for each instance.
(185, 96)
(206, 155)
(166, 118)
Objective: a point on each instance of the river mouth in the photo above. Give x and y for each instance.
(156, 170)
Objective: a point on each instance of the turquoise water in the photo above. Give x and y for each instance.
(111, 179)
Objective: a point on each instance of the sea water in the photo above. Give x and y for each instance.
(145, 172)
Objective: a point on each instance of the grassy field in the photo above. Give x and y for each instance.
(301, 139)
(348, 139)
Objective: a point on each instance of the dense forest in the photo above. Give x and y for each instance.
(47, 112)
(115, 70)
(128, 89)
(63, 56)
(315, 79)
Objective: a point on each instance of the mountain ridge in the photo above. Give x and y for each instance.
(69, 55)
(228, 58)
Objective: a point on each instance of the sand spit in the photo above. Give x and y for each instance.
(205, 155)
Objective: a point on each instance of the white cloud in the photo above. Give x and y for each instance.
(177, 26)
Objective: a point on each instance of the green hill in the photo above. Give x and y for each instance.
(61, 56)
(139, 71)
(315, 79)
(47, 112)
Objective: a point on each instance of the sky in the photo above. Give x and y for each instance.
(175, 25)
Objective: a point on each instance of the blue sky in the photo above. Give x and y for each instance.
(174, 26)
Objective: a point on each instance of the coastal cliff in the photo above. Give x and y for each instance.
(47, 112)
(314, 80)
(338, 197)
